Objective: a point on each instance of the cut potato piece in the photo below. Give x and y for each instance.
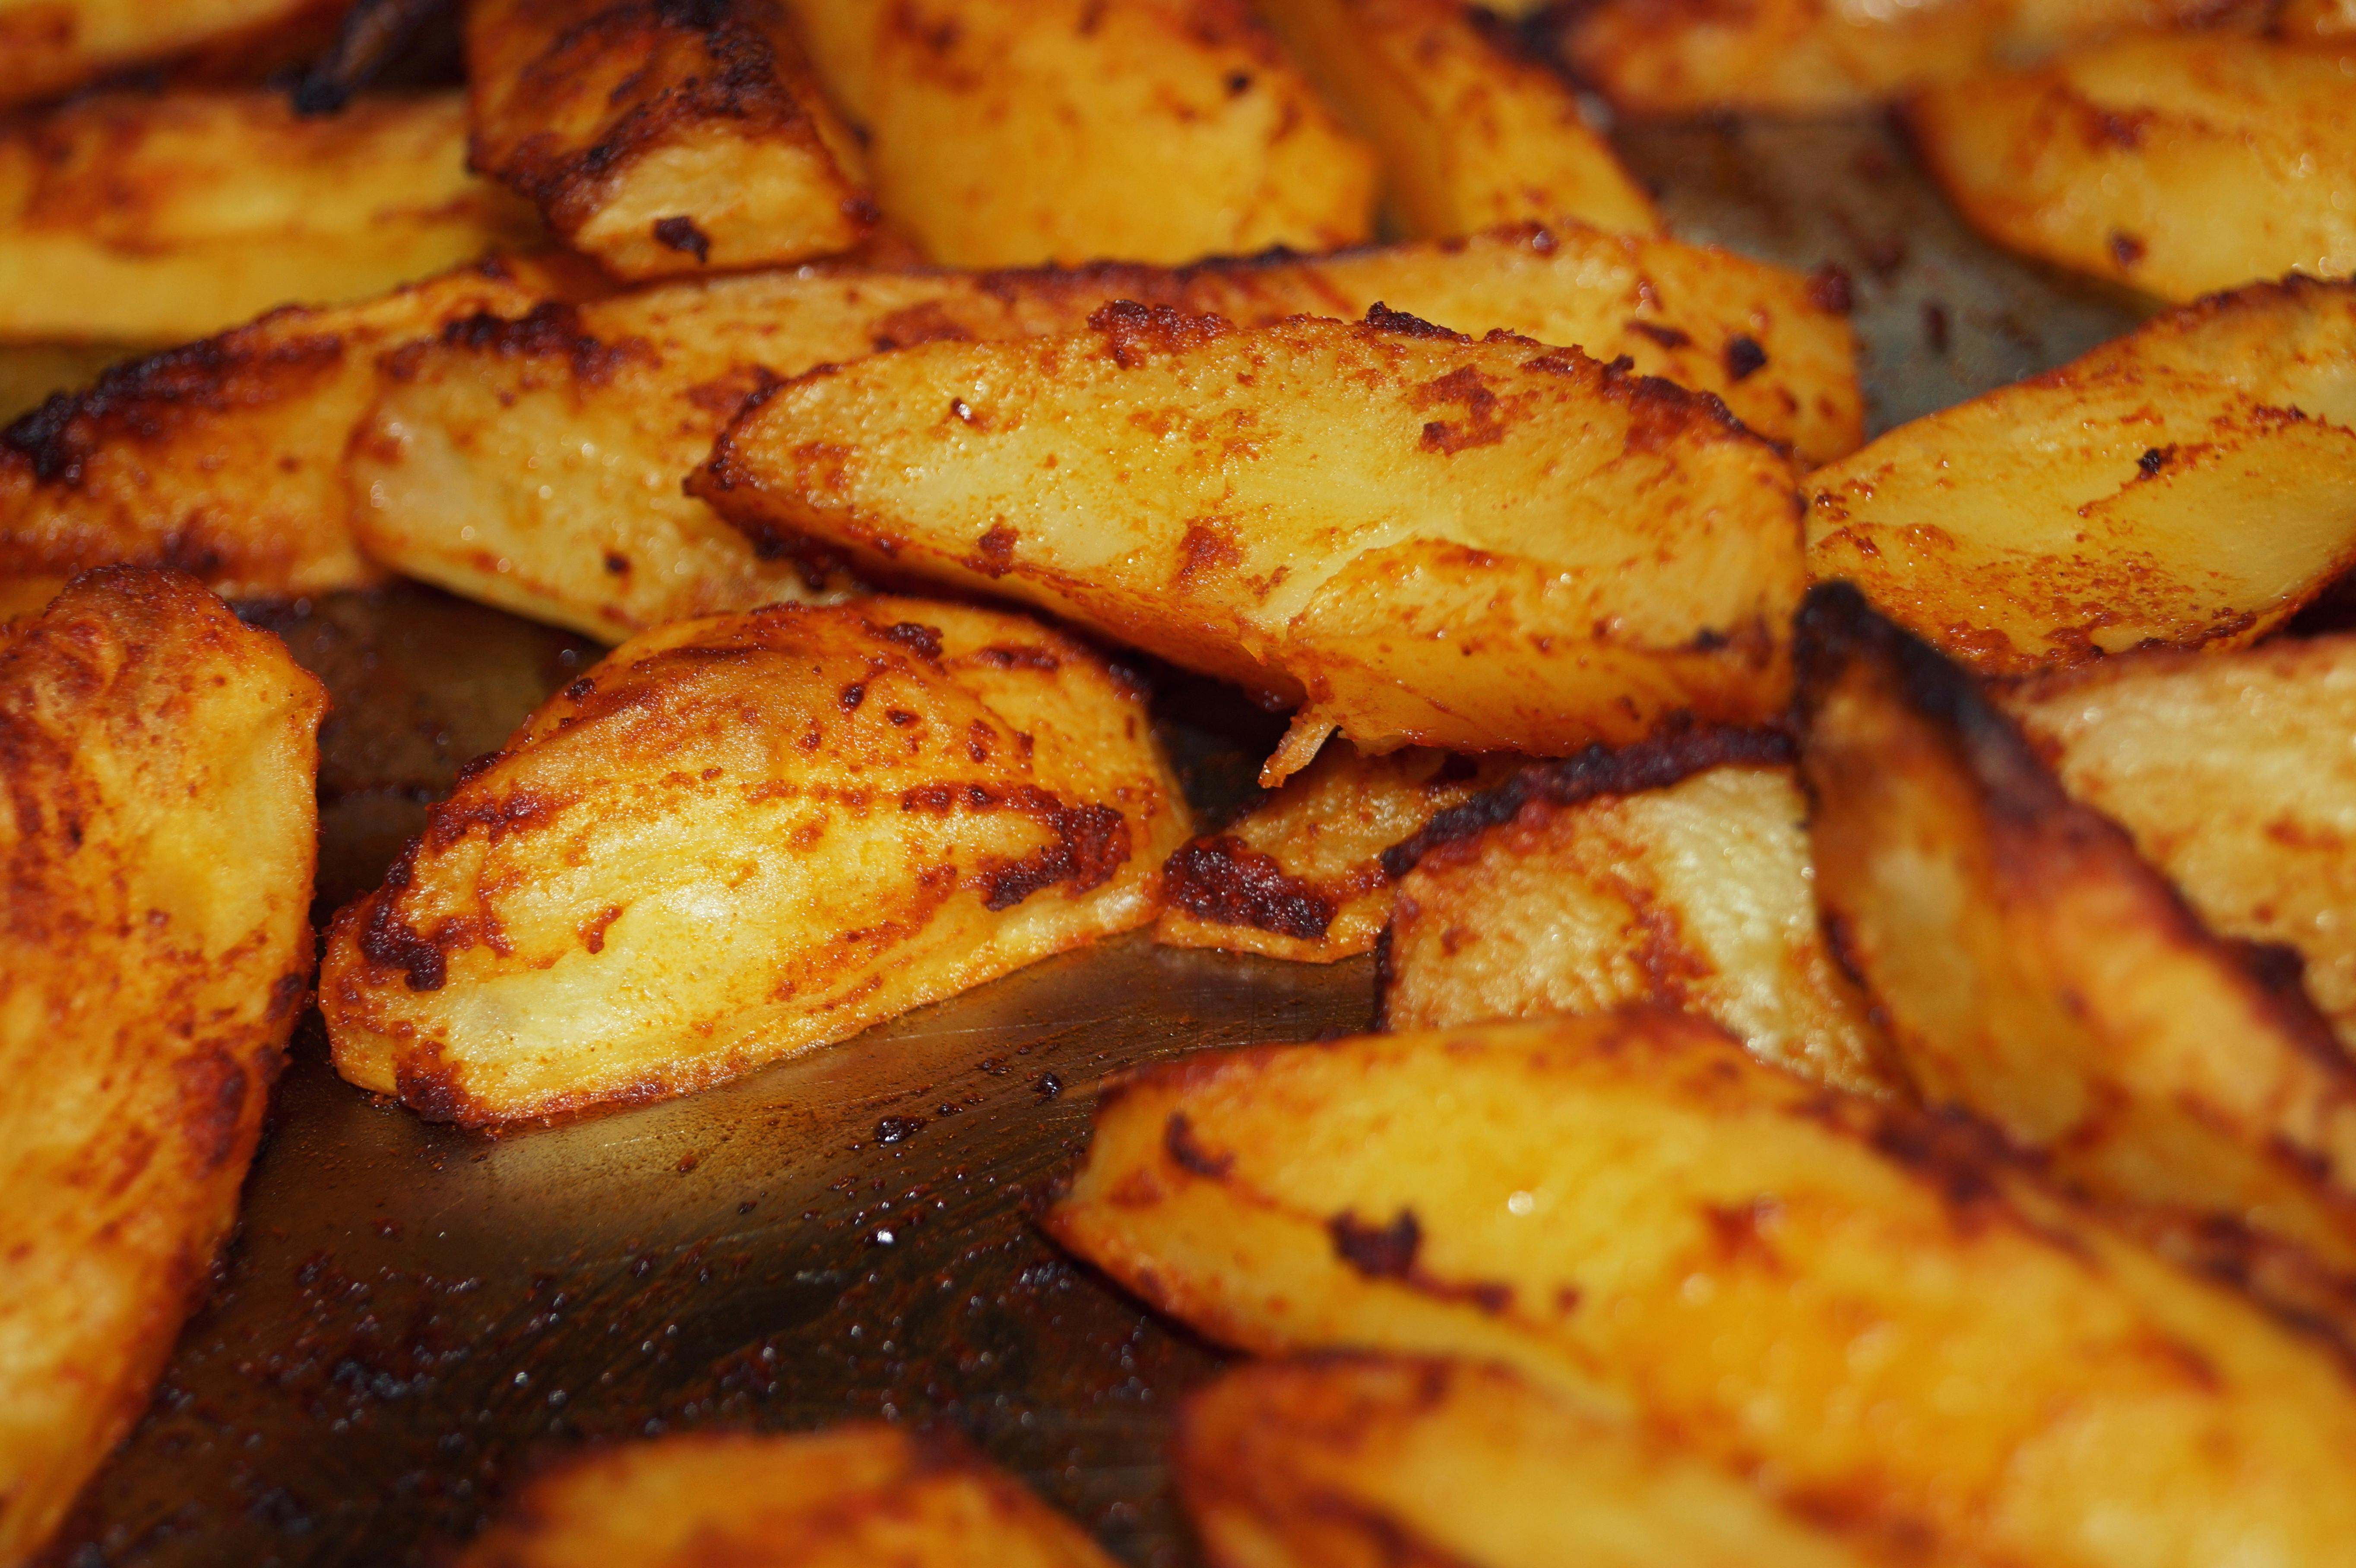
(853, 1497)
(1840, 1298)
(741, 837)
(1674, 873)
(224, 459)
(1299, 874)
(2029, 966)
(2191, 484)
(2177, 165)
(664, 138)
(2236, 775)
(154, 950)
(48, 47)
(1471, 136)
(142, 219)
(1420, 538)
(1011, 132)
(1363, 1462)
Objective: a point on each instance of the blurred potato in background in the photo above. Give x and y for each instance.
(49, 47)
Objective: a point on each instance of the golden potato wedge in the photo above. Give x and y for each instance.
(1420, 538)
(140, 217)
(1011, 133)
(2236, 775)
(1674, 873)
(2030, 968)
(1363, 1462)
(48, 47)
(2192, 483)
(2176, 164)
(1470, 134)
(539, 469)
(742, 837)
(1299, 874)
(155, 949)
(224, 459)
(1837, 1297)
(853, 1496)
(663, 138)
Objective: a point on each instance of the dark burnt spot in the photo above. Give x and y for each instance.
(1745, 357)
(580, 690)
(616, 564)
(2279, 970)
(1047, 1086)
(519, 811)
(1017, 655)
(923, 641)
(1091, 843)
(1382, 318)
(1666, 335)
(1738, 1233)
(679, 233)
(1377, 1252)
(1482, 425)
(997, 548)
(1135, 333)
(551, 330)
(1829, 289)
(2125, 249)
(1952, 1157)
(900, 718)
(593, 932)
(1935, 334)
(898, 1129)
(1178, 1142)
(2155, 459)
(1226, 881)
(431, 1090)
(212, 1093)
(852, 695)
(1206, 547)
(388, 943)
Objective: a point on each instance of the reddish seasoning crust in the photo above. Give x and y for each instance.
(1228, 882)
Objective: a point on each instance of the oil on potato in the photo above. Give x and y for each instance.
(140, 217)
(1362, 1462)
(2235, 773)
(664, 138)
(1142, 130)
(1420, 538)
(1471, 136)
(1850, 1302)
(48, 47)
(1674, 873)
(2176, 164)
(2032, 969)
(852, 1497)
(2192, 483)
(1299, 874)
(741, 837)
(154, 950)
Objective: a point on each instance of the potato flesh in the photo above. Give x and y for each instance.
(662, 140)
(2192, 483)
(1299, 874)
(1790, 1282)
(1423, 539)
(2236, 775)
(1145, 130)
(849, 1497)
(2175, 165)
(1697, 896)
(155, 949)
(1469, 135)
(743, 837)
(50, 46)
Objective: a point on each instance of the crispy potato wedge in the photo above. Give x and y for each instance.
(1145, 130)
(1420, 538)
(742, 837)
(137, 218)
(853, 1496)
(224, 459)
(1299, 874)
(662, 138)
(1363, 1462)
(2030, 968)
(48, 47)
(1836, 1297)
(1470, 134)
(1674, 873)
(2236, 776)
(2176, 164)
(2192, 483)
(154, 950)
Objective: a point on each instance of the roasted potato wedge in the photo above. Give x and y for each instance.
(663, 138)
(853, 1496)
(2192, 483)
(2236, 775)
(48, 47)
(2031, 968)
(1421, 538)
(154, 950)
(1299, 874)
(1011, 133)
(1674, 873)
(1470, 134)
(224, 459)
(137, 218)
(2177, 165)
(1362, 1462)
(741, 837)
(1838, 1297)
